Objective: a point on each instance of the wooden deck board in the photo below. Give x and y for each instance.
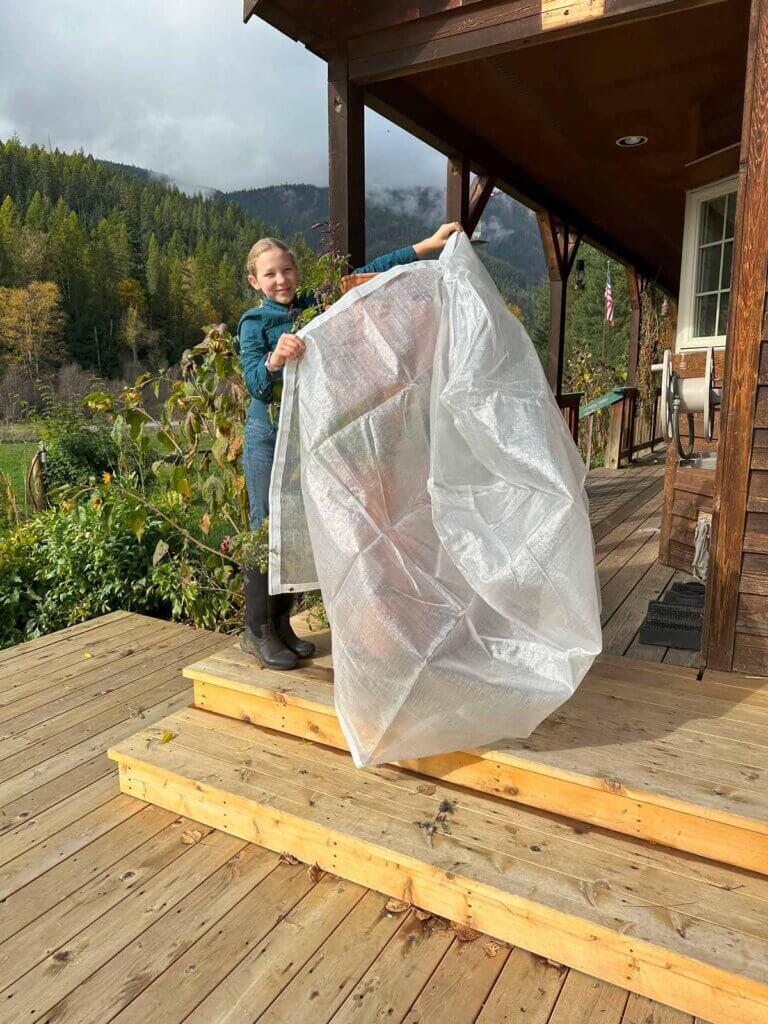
(576, 902)
(74, 859)
(647, 751)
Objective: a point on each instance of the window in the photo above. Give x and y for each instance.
(705, 280)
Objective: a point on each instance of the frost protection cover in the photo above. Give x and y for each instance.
(425, 479)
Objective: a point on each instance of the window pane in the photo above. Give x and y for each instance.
(708, 279)
(730, 217)
(712, 220)
(727, 260)
(706, 314)
(722, 325)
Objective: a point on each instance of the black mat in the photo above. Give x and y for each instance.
(677, 620)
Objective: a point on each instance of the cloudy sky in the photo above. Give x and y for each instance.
(182, 87)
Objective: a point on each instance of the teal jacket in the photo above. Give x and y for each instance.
(260, 328)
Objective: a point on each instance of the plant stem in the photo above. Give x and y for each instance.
(173, 523)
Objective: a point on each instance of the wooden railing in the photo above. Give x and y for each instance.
(633, 428)
(569, 405)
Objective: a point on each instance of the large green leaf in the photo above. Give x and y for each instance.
(136, 520)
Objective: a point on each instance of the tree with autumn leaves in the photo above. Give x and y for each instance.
(31, 326)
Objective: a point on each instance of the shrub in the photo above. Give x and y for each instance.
(17, 565)
(103, 553)
(69, 569)
(77, 449)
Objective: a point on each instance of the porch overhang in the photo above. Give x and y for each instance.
(537, 92)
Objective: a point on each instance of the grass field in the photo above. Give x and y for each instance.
(15, 457)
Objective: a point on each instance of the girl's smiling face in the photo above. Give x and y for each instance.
(276, 276)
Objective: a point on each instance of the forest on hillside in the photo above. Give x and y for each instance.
(107, 269)
(134, 267)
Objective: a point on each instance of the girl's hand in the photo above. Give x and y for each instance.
(437, 241)
(289, 346)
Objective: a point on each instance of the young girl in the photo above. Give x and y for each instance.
(266, 344)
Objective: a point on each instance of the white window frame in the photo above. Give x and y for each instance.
(685, 315)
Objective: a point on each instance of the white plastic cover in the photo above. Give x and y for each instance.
(445, 514)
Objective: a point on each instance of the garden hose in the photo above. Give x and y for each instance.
(674, 384)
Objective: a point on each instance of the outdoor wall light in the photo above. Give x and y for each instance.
(630, 141)
(580, 281)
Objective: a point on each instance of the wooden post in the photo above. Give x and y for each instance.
(457, 190)
(560, 244)
(615, 432)
(589, 441)
(636, 285)
(346, 161)
(742, 355)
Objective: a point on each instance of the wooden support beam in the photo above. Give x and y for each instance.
(249, 9)
(636, 285)
(368, 18)
(456, 36)
(284, 22)
(561, 243)
(346, 162)
(457, 190)
(479, 194)
(402, 105)
(742, 354)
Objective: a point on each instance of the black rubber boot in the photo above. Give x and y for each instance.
(259, 637)
(281, 605)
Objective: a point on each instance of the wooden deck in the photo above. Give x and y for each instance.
(113, 910)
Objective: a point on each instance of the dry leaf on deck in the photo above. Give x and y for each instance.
(315, 872)
(397, 906)
(491, 949)
(423, 915)
(438, 924)
(167, 736)
(288, 858)
(191, 836)
(87, 654)
(464, 933)
(426, 788)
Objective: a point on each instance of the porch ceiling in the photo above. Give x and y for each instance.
(544, 118)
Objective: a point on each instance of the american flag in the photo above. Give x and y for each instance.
(609, 299)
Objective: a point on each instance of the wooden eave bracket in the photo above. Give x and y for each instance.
(479, 194)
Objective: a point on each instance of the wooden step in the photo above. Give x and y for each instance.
(682, 930)
(643, 749)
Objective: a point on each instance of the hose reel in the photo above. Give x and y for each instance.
(688, 397)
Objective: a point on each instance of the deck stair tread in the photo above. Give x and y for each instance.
(642, 748)
(686, 931)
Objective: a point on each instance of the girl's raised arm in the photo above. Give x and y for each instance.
(411, 253)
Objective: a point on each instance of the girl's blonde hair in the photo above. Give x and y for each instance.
(264, 245)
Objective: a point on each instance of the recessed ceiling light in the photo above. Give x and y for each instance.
(630, 141)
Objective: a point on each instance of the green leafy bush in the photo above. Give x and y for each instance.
(69, 568)
(17, 549)
(104, 552)
(78, 449)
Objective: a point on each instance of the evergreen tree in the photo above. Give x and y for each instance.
(586, 328)
(10, 230)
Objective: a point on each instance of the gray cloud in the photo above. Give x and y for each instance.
(182, 87)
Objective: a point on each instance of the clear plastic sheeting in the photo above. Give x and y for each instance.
(425, 479)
